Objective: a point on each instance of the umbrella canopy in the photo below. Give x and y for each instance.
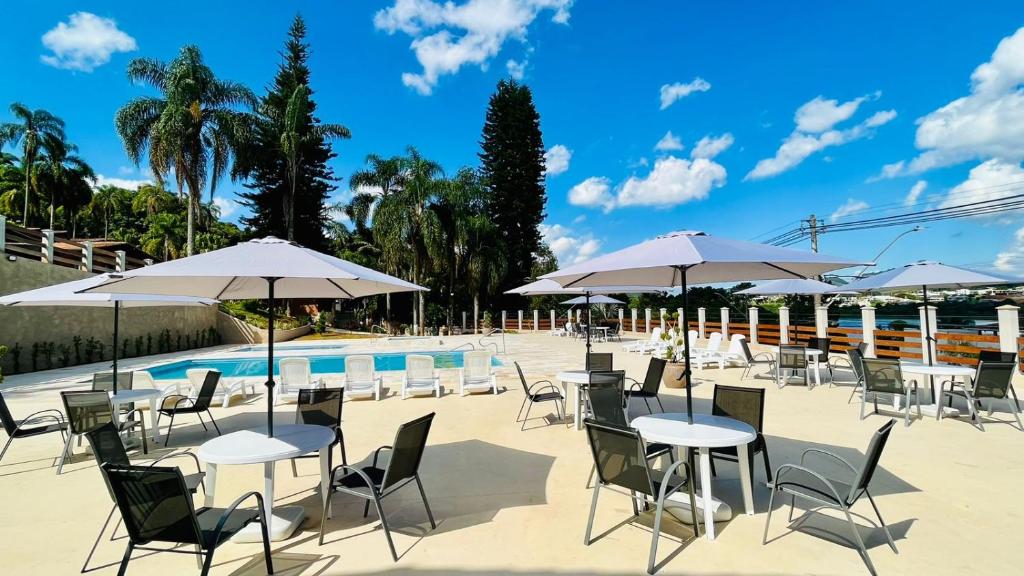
(795, 286)
(545, 287)
(681, 258)
(68, 294)
(266, 268)
(592, 300)
(931, 274)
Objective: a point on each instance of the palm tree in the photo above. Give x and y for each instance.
(107, 199)
(63, 173)
(193, 127)
(298, 131)
(485, 259)
(163, 235)
(31, 128)
(152, 199)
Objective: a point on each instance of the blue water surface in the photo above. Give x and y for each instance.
(255, 366)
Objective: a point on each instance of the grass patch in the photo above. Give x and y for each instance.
(338, 336)
(253, 313)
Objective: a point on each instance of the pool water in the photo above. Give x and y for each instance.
(246, 367)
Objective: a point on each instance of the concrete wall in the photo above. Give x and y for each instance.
(26, 325)
(235, 331)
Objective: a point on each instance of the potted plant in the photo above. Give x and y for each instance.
(672, 376)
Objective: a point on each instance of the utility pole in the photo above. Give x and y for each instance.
(812, 224)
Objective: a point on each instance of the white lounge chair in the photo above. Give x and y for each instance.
(293, 375)
(709, 352)
(361, 380)
(420, 376)
(225, 390)
(640, 346)
(734, 353)
(143, 379)
(476, 373)
(555, 331)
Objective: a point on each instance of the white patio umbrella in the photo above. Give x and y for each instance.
(794, 286)
(265, 268)
(682, 258)
(588, 300)
(925, 275)
(68, 294)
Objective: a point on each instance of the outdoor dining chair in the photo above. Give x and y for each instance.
(991, 382)
(321, 407)
(883, 376)
(599, 361)
(535, 394)
(746, 405)
(847, 371)
(800, 480)
(226, 390)
(476, 373)
(622, 465)
(823, 344)
(361, 379)
(176, 404)
(87, 410)
(420, 376)
(792, 359)
(35, 424)
(994, 356)
(108, 448)
(156, 506)
(374, 483)
(104, 381)
(752, 360)
(650, 386)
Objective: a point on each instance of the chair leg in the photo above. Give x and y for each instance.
(200, 416)
(768, 521)
(1012, 405)
(527, 416)
(658, 400)
(712, 461)
(207, 562)
(767, 464)
(265, 532)
(660, 509)
(124, 561)
(423, 495)
(63, 455)
(99, 537)
(170, 427)
(212, 421)
(648, 404)
(882, 522)
(6, 445)
(384, 524)
(295, 471)
(323, 518)
(593, 508)
(853, 392)
(860, 543)
(521, 406)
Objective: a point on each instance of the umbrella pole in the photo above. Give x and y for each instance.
(686, 347)
(589, 328)
(117, 310)
(927, 327)
(270, 358)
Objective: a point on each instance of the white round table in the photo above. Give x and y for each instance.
(706, 432)
(935, 374)
(255, 447)
(577, 378)
(138, 395)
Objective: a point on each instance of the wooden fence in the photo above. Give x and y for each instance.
(44, 246)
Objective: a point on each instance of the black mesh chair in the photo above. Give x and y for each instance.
(322, 407)
(374, 483)
(622, 466)
(536, 393)
(156, 506)
(791, 359)
(995, 356)
(175, 404)
(823, 344)
(35, 424)
(883, 376)
(125, 380)
(108, 449)
(650, 386)
(847, 371)
(752, 360)
(746, 405)
(614, 331)
(799, 480)
(87, 410)
(862, 347)
(991, 382)
(607, 401)
(600, 361)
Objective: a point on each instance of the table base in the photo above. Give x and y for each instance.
(284, 522)
(720, 511)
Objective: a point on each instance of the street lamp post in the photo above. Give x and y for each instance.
(886, 249)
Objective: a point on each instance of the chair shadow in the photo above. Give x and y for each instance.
(837, 530)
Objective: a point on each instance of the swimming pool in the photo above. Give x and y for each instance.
(335, 364)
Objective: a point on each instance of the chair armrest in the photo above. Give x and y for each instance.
(782, 469)
(635, 384)
(664, 492)
(44, 415)
(376, 453)
(352, 470)
(234, 505)
(180, 397)
(830, 455)
(548, 382)
(176, 455)
(835, 359)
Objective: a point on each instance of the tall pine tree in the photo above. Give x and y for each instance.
(512, 164)
(266, 165)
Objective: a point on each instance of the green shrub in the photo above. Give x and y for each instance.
(76, 342)
(16, 358)
(64, 355)
(3, 352)
(250, 312)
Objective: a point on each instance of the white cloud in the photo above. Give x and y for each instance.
(672, 92)
(849, 208)
(915, 193)
(516, 69)
(709, 146)
(448, 36)
(815, 131)
(1011, 260)
(85, 42)
(672, 181)
(592, 192)
(569, 247)
(579, 219)
(990, 180)
(987, 123)
(125, 170)
(126, 183)
(227, 206)
(556, 159)
(669, 142)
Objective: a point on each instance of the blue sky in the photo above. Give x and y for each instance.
(851, 110)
